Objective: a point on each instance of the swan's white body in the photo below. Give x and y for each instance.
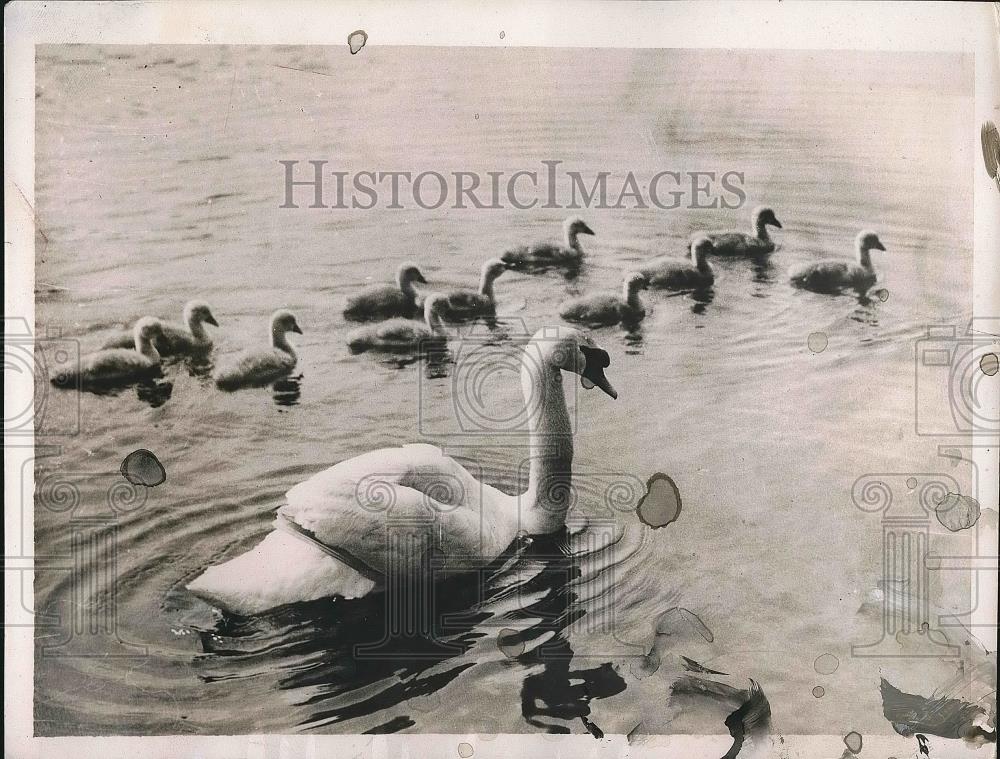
(255, 368)
(382, 513)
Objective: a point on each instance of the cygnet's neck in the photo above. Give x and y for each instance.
(146, 347)
(406, 285)
(572, 239)
(433, 319)
(549, 493)
(486, 281)
(760, 229)
(864, 257)
(196, 326)
(630, 293)
(700, 260)
(279, 339)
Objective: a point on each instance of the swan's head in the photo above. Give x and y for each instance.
(762, 216)
(407, 273)
(573, 350)
(494, 268)
(574, 225)
(700, 248)
(635, 281)
(283, 321)
(868, 240)
(198, 312)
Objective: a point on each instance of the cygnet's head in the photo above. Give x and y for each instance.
(198, 312)
(700, 248)
(635, 281)
(435, 306)
(494, 268)
(147, 329)
(762, 215)
(868, 240)
(408, 272)
(283, 321)
(572, 350)
(574, 225)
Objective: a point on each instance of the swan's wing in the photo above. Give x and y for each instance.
(113, 365)
(591, 308)
(731, 242)
(401, 330)
(255, 368)
(175, 338)
(394, 504)
(467, 300)
(821, 274)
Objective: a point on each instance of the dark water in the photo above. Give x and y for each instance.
(158, 181)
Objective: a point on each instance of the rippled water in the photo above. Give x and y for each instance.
(158, 181)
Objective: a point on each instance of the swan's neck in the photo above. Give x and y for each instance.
(572, 240)
(631, 295)
(197, 327)
(145, 346)
(760, 229)
(279, 339)
(433, 321)
(864, 258)
(551, 447)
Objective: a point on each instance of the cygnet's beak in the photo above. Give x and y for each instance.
(296, 328)
(211, 320)
(878, 245)
(775, 222)
(419, 278)
(593, 372)
(587, 230)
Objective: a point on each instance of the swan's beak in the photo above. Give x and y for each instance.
(211, 320)
(418, 277)
(593, 372)
(775, 222)
(296, 329)
(587, 230)
(878, 245)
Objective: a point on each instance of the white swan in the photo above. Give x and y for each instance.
(757, 243)
(343, 529)
(545, 254)
(464, 303)
(114, 366)
(834, 276)
(263, 366)
(386, 301)
(604, 310)
(402, 335)
(174, 339)
(670, 273)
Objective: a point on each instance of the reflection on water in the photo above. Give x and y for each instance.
(155, 393)
(287, 391)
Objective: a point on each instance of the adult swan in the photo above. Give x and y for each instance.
(343, 530)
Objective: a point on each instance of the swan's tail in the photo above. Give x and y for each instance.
(283, 568)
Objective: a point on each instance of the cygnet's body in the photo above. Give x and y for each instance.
(263, 366)
(835, 276)
(177, 339)
(602, 310)
(388, 301)
(756, 243)
(670, 273)
(403, 335)
(464, 303)
(548, 254)
(118, 366)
